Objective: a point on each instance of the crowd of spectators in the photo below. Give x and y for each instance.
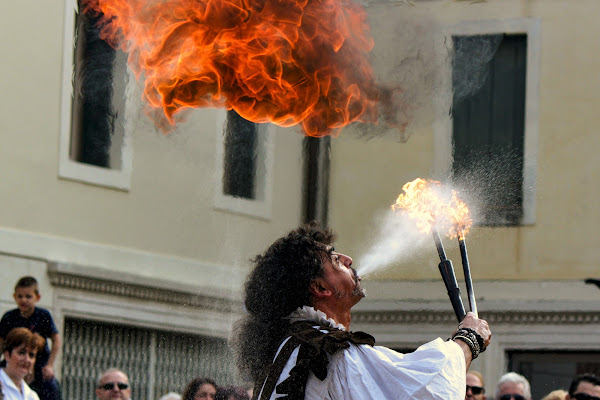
(513, 386)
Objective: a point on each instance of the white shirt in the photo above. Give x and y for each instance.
(11, 392)
(435, 371)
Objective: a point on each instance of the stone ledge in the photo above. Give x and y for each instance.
(441, 317)
(97, 280)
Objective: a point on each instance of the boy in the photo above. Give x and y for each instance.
(38, 320)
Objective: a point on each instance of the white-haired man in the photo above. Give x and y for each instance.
(113, 384)
(513, 386)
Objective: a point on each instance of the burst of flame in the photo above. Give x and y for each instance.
(430, 203)
(283, 61)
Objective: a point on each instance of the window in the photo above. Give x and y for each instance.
(489, 124)
(239, 171)
(549, 370)
(243, 165)
(316, 178)
(156, 361)
(94, 128)
(486, 166)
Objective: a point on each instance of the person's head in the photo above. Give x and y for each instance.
(290, 273)
(171, 396)
(200, 389)
(232, 393)
(475, 386)
(556, 395)
(20, 349)
(113, 384)
(583, 386)
(27, 294)
(513, 386)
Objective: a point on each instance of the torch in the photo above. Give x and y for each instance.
(467, 271)
(432, 207)
(449, 278)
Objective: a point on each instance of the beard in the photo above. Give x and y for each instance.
(358, 290)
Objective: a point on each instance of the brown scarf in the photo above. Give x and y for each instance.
(315, 346)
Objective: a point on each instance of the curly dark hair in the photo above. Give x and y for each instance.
(589, 378)
(193, 386)
(231, 393)
(278, 285)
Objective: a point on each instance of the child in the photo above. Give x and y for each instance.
(38, 320)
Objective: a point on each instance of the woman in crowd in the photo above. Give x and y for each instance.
(232, 393)
(20, 348)
(200, 389)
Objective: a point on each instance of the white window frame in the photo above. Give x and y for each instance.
(443, 126)
(78, 171)
(260, 207)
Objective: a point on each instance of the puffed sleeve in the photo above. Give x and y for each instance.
(435, 371)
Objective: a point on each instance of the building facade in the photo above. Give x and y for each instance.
(141, 240)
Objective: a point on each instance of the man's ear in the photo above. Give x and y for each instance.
(318, 290)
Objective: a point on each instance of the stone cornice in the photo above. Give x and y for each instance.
(62, 276)
(442, 317)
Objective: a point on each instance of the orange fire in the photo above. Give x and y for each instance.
(287, 62)
(430, 203)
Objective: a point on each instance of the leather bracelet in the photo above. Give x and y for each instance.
(470, 339)
(472, 346)
(479, 339)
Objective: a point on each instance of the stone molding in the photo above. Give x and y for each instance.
(147, 290)
(512, 317)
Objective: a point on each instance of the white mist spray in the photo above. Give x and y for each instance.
(397, 240)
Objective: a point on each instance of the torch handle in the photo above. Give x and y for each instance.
(467, 273)
(447, 272)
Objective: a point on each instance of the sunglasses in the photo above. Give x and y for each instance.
(512, 396)
(584, 396)
(111, 385)
(475, 389)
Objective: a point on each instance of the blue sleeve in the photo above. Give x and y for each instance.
(5, 325)
(46, 328)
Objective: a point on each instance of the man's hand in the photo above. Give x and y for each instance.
(478, 325)
(47, 372)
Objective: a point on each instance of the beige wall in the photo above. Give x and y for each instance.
(165, 227)
(561, 244)
(166, 223)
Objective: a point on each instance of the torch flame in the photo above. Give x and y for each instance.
(283, 61)
(429, 203)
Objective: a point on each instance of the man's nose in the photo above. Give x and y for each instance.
(346, 260)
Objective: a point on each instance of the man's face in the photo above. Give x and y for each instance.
(511, 391)
(114, 385)
(26, 298)
(205, 392)
(341, 279)
(586, 388)
(474, 386)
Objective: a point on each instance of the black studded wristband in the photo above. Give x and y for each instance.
(480, 341)
(470, 339)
